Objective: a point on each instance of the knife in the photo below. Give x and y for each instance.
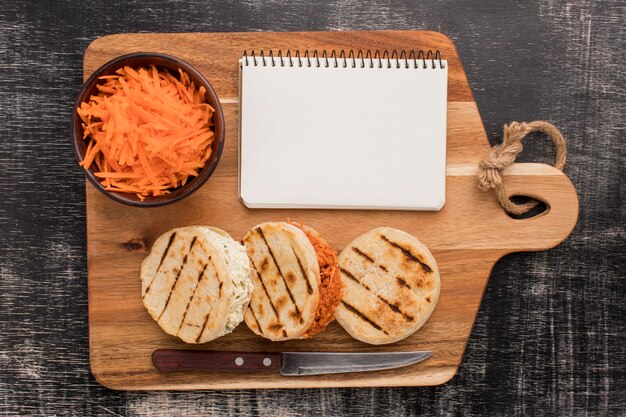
(288, 363)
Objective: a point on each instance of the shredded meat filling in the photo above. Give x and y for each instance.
(331, 286)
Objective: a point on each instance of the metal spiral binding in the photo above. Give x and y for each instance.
(407, 59)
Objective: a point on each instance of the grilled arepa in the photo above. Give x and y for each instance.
(196, 283)
(292, 299)
(392, 286)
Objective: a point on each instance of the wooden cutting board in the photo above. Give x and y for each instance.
(466, 237)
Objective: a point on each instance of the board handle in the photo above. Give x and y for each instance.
(177, 360)
(548, 229)
(504, 154)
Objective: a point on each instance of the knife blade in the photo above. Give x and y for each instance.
(288, 363)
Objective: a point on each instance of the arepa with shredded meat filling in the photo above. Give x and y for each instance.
(297, 283)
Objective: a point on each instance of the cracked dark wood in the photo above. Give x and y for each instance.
(548, 337)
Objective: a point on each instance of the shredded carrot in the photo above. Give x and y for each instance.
(148, 131)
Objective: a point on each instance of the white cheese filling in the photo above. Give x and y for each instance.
(240, 274)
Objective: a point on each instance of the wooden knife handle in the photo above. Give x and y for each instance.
(175, 360)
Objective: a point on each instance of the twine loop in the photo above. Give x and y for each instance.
(502, 155)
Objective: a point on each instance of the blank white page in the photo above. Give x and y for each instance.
(353, 138)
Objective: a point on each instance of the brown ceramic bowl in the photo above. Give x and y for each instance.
(172, 64)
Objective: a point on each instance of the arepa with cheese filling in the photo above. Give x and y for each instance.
(196, 283)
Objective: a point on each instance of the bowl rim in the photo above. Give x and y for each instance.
(205, 173)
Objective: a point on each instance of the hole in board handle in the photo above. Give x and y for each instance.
(541, 209)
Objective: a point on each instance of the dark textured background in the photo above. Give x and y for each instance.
(549, 338)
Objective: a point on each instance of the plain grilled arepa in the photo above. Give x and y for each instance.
(392, 286)
(296, 278)
(196, 283)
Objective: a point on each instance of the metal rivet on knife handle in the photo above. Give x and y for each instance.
(239, 361)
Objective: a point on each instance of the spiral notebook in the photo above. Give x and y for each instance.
(343, 130)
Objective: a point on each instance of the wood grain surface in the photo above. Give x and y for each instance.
(466, 237)
(548, 339)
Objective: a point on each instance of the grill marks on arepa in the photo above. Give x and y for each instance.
(401, 281)
(256, 320)
(167, 248)
(209, 288)
(269, 248)
(182, 267)
(353, 309)
(269, 275)
(193, 292)
(393, 306)
(391, 287)
(186, 278)
(196, 320)
(259, 280)
(309, 289)
(183, 291)
(281, 306)
(407, 253)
